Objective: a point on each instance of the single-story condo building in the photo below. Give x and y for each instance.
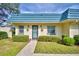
(46, 24)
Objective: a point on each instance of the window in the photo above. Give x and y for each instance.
(51, 30)
(21, 29)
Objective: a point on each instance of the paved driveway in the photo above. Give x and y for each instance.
(28, 50)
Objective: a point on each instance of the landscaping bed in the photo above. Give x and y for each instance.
(10, 48)
(55, 48)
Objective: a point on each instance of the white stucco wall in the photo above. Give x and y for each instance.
(40, 33)
(26, 32)
(44, 32)
(7, 29)
(58, 31)
(74, 30)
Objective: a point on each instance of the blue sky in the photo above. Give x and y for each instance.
(46, 7)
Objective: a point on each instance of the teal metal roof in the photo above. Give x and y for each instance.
(70, 13)
(38, 17)
(73, 13)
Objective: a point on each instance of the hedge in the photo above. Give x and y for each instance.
(76, 37)
(69, 41)
(48, 38)
(23, 38)
(3, 35)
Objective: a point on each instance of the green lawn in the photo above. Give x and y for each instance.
(9, 48)
(55, 48)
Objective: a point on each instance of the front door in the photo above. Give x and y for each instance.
(34, 31)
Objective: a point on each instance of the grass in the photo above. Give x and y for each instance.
(55, 48)
(9, 48)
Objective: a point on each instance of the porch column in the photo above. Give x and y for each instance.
(16, 30)
(25, 30)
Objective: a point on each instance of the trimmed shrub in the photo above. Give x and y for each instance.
(69, 41)
(43, 38)
(54, 38)
(63, 38)
(48, 38)
(18, 38)
(3, 35)
(76, 37)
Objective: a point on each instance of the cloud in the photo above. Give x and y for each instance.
(45, 7)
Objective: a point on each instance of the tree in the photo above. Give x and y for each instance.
(12, 7)
(7, 9)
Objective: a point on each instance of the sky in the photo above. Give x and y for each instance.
(45, 7)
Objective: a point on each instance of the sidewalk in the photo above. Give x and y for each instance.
(40, 54)
(28, 50)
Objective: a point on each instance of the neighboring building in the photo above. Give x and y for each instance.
(41, 24)
(6, 29)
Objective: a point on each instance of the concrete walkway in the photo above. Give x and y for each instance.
(28, 50)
